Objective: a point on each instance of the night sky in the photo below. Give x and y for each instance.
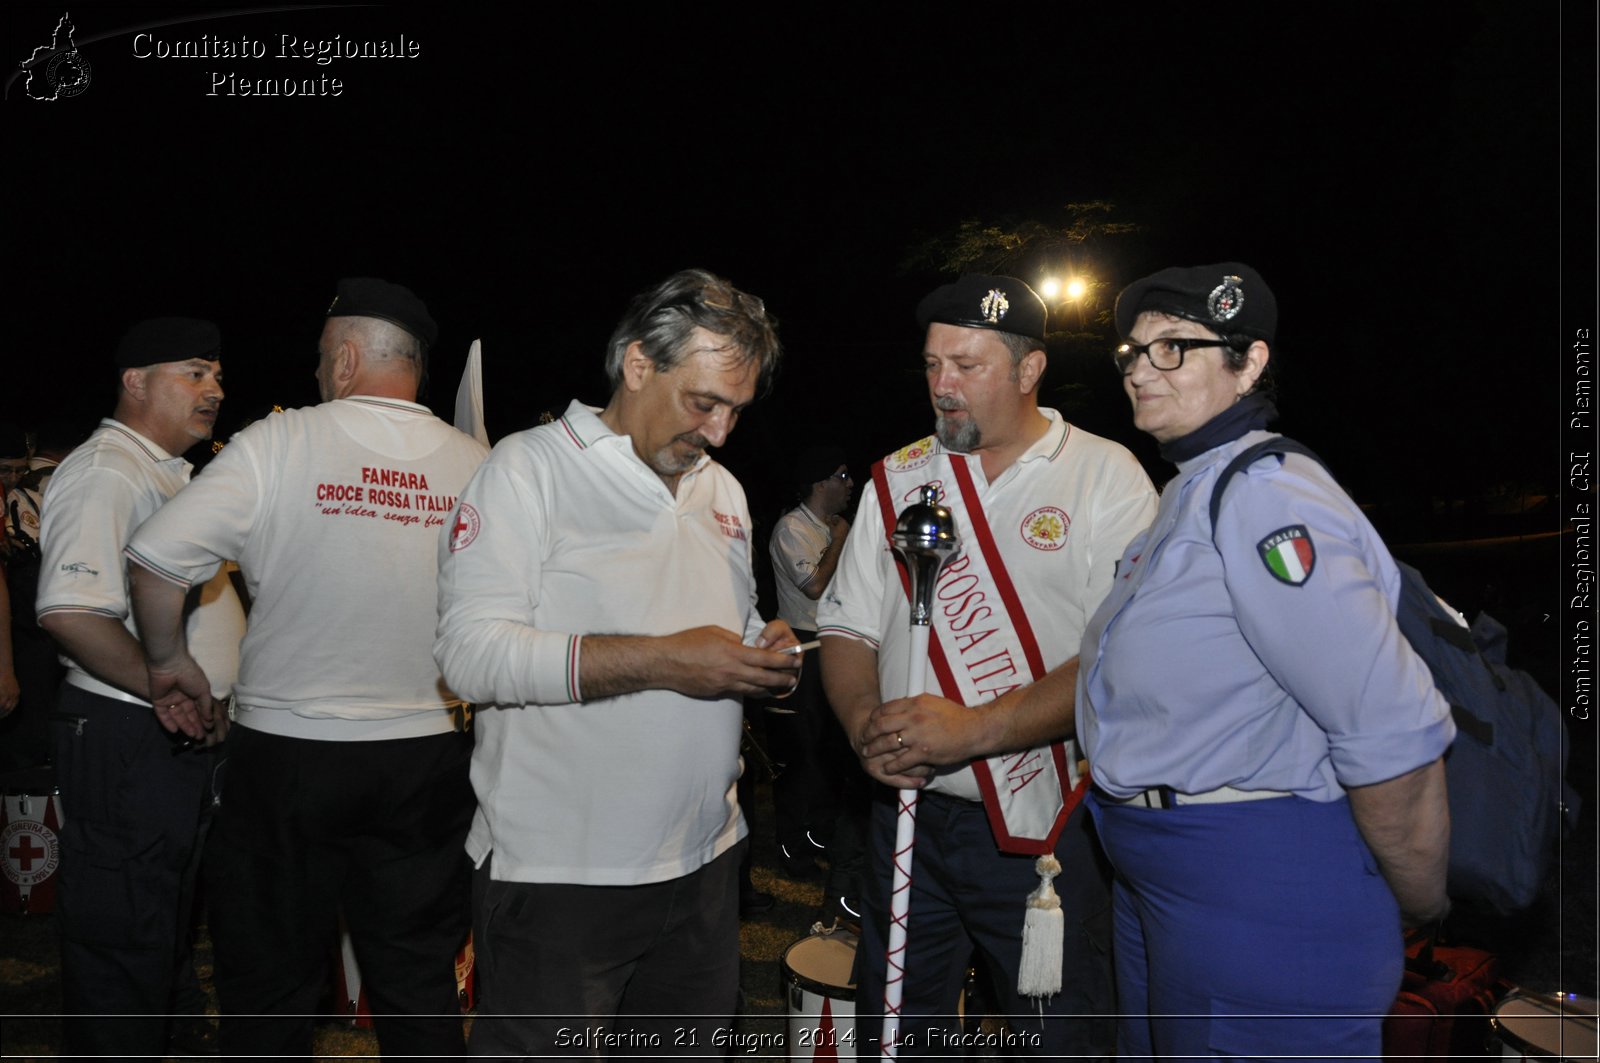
(1392, 169)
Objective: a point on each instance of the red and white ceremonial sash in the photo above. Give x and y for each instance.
(981, 646)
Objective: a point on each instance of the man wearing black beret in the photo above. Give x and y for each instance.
(1042, 509)
(347, 778)
(133, 799)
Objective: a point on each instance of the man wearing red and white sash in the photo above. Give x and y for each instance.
(1043, 510)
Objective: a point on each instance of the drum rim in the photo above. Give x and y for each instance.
(1528, 1048)
(811, 985)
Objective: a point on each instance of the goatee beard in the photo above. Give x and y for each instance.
(961, 438)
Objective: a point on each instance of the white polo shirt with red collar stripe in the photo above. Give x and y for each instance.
(1061, 515)
(98, 497)
(562, 533)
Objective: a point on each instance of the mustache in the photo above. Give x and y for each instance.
(696, 440)
(949, 404)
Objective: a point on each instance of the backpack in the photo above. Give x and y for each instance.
(1506, 768)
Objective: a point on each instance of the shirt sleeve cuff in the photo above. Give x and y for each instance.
(1362, 760)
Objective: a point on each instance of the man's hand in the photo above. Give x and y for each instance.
(712, 662)
(775, 636)
(702, 662)
(926, 731)
(850, 679)
(181, 694)
(839, 527)
(10, 692)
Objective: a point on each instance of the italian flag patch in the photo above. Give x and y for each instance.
(1288, 554)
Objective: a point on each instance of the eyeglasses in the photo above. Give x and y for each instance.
(842, 474)
(1165, 354)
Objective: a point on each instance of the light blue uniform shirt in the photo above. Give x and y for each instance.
(1268, 660)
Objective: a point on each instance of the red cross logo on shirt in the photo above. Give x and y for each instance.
(465, 529)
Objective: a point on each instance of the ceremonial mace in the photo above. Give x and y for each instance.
(925, 538)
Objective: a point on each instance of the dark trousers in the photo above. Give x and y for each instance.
(133, 813)
(966, 896)
(310, 828)
(566, 970)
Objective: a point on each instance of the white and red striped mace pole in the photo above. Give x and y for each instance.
(926, 540)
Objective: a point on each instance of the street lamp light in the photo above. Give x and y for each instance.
(1050, 288)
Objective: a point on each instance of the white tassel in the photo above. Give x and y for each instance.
(1042, 933)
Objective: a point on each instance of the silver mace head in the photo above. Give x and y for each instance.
(926, 540)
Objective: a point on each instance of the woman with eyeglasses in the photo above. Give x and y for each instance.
(1265, 744)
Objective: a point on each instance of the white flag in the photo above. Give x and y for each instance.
(469, 396)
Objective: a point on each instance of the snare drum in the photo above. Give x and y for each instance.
(1539, 1026)
(822, 1008)
(30, 846)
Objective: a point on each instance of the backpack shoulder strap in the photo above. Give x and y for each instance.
(1275, 445)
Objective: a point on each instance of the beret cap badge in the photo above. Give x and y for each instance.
(986, 301)
(1226, 299)
(994, 306)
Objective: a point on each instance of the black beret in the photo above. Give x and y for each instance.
(168, 339)
(815, 464)
(394, 303)
(978, 300)
(1227, 297)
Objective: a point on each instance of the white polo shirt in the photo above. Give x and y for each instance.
(565, 532)
(99, 496)
(1099, 498)
(799, 540)
(334, 513)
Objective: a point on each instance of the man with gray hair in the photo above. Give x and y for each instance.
(597, 602)
(347, 781)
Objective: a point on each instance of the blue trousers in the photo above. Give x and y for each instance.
(966, 897)
(1258, 930)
